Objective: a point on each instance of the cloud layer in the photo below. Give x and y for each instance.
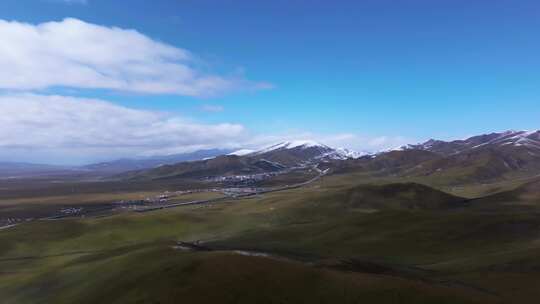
(90, 127)
(73, 53)
(60, 129)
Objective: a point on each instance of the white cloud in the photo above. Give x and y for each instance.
(88, 128)
(76, 54)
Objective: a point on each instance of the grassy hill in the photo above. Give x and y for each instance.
(162, 275)
(481, 165)
(525, 197)
(221, 165)
(331, 243)
(398, 196)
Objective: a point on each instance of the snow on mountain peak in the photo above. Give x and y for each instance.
(516, 138)
(304, 144)
(292, 145)
(324, 151)
(242, 152)
(529, 139)
(346, 153)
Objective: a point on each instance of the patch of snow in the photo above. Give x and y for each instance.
(292, 144)
(400, 148)
(242, 152)
(350, 153)
(325, 151)
(7, 226)
(304, 144)
(512, 137)
(272, 148)
(252, 253)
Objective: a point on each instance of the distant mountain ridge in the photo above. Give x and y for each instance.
(20, 169)
(300, 152)
(306, 149)
(244, 162)
(127, 164)
(529, 139)
(482, 158)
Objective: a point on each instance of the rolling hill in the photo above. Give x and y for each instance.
(483, 158)
(221, 165)
(524, 196)
(130, 164)
(399, 196)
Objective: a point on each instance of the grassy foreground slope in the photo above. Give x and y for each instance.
(160, 275)
(403, 243)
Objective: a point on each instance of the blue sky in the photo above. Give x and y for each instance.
(398, 70)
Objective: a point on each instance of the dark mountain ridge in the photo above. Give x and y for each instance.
(24, 170)
(129, 164)
(482, 158)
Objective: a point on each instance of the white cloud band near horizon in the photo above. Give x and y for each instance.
(76, 54)
(91, 128)
(74, 130)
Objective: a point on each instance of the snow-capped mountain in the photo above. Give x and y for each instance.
(300, 152)
(346, 153)
(307, 150)
(481, 158)
(293, 153)
(300, 144)
(242, 152)
(507, 139)
(530, 139)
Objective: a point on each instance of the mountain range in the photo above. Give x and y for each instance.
(481, 158)
(274, 158)
(127, 164)
(20, 169)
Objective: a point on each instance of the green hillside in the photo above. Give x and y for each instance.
(384, 243)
